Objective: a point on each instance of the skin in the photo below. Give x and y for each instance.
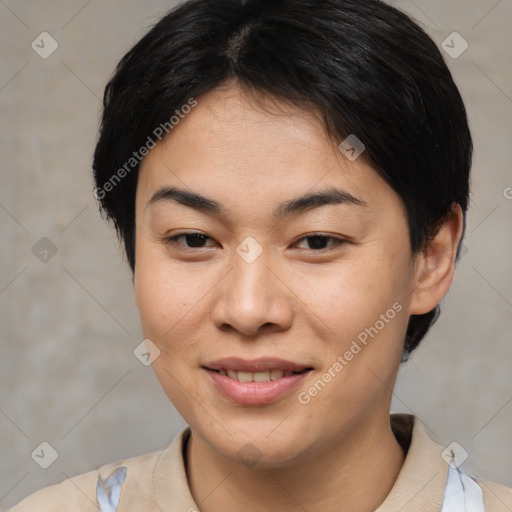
(295, 302)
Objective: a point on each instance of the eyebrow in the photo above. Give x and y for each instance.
(306, 202)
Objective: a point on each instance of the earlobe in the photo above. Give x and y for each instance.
(436, 264)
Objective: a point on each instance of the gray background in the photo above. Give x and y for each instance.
(69, 326)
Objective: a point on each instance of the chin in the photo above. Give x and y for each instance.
(261, 450)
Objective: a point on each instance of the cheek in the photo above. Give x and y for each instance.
(164, 289)
(364, 310)
(169, 304)
(351, 297)
(167, 297)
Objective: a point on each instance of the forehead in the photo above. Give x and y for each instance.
(250, 151)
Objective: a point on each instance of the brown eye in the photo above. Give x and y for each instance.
(321, 242)
(191, 240)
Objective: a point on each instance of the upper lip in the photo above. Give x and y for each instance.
(260, 364)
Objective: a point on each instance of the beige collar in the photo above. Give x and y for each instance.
(420, 484)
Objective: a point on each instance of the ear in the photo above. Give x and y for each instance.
(435, 265)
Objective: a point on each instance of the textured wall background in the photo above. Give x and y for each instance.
(69, 325)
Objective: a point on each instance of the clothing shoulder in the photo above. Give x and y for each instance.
(498, 498)
(78, 493)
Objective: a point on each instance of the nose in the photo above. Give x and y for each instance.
(252, 299)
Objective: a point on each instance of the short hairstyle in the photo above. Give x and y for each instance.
(365, 67)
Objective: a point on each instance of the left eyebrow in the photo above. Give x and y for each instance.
(329, 196)
(306, 202)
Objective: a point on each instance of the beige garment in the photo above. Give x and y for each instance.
(157, 482)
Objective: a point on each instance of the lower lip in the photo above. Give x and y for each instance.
(256, 393)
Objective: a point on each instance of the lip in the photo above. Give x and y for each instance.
(255, 393)
(260, 364)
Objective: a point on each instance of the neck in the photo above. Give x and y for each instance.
(354, 475)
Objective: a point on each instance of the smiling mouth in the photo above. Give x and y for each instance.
(257, 382)
(262, 376)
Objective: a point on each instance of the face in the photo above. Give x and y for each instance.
(262, 250)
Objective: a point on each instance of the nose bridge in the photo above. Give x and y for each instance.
(250, 297)
(249, 284)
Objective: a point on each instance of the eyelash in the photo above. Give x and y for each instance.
(173, 241)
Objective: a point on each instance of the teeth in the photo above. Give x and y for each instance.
(276, 374)
(245, 376)
(261, 376)
(265, 376)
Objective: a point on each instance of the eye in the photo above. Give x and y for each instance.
(320, 242)
(192, 240)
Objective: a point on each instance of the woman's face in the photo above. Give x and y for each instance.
(273, 284)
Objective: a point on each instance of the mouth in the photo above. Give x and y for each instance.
(255, 382)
